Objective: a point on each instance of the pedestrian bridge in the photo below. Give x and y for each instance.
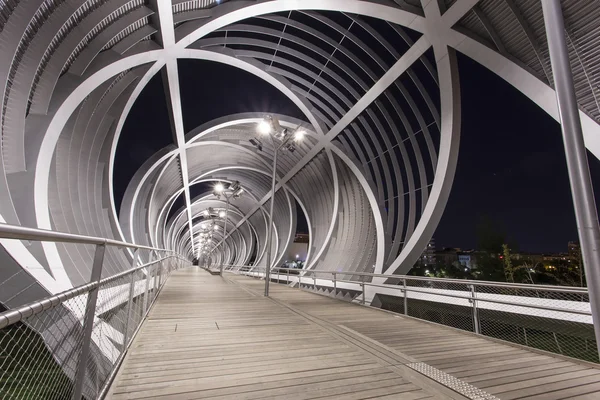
(213, 337)
(168, 330)
(345, 112)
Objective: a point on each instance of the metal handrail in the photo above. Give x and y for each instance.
(559, 289)
(8, 231)
(565, 289)
(15, 315)
(90, 291)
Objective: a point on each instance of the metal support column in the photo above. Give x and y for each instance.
(270, 230)
(88, 323)
(579, 173)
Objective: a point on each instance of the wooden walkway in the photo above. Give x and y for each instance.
(209, 337)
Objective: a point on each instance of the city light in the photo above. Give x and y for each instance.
(219, 187)
(299, 135)
(222, 214)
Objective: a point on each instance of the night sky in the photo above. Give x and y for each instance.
(511, 166)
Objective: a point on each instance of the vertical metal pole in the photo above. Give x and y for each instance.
(156, 276)
(363, 293)
(278, 271)
(129, 309)
(88, 323)
(475, 312)
(314, 282)
(160, 274)
(147, 290)
(130, 302)
(225, 232)
(405, 297)
(334, 285)
(270, 230)
(288, 278)
(577, 165)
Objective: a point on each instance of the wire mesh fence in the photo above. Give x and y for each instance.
(42, 344)
(551, 318)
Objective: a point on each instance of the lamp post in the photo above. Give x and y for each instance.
(281, 138)
(207, 228)
(232, 192)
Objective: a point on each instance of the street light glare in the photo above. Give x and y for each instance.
(264, 127)
(299, 135)
(219, 187)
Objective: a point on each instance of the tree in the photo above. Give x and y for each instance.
(509, 273)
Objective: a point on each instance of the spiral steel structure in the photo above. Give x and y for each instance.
(376, 81)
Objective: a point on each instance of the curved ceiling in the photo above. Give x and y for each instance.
(376, 83)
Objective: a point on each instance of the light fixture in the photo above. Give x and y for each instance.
(264, 127)
(219, 187)
(297, 255)
(222, 214)
(238, 193)
(299, 135)
(216, 228)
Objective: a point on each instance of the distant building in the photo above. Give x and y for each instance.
(428, 257)
(574, 252)
(447, 256)
(467, 259)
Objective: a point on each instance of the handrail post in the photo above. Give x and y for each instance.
(288, 276)
(405, 297)
(363, 292)
(160, 273)
(130, 301)
(278, 271)
(334, 284)
(88, 323)
(475, 312)
(147, 290)
(155, 283)
(314, 274)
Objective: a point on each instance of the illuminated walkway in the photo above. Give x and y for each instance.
(209, 337)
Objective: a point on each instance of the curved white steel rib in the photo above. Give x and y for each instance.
(436, 30)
